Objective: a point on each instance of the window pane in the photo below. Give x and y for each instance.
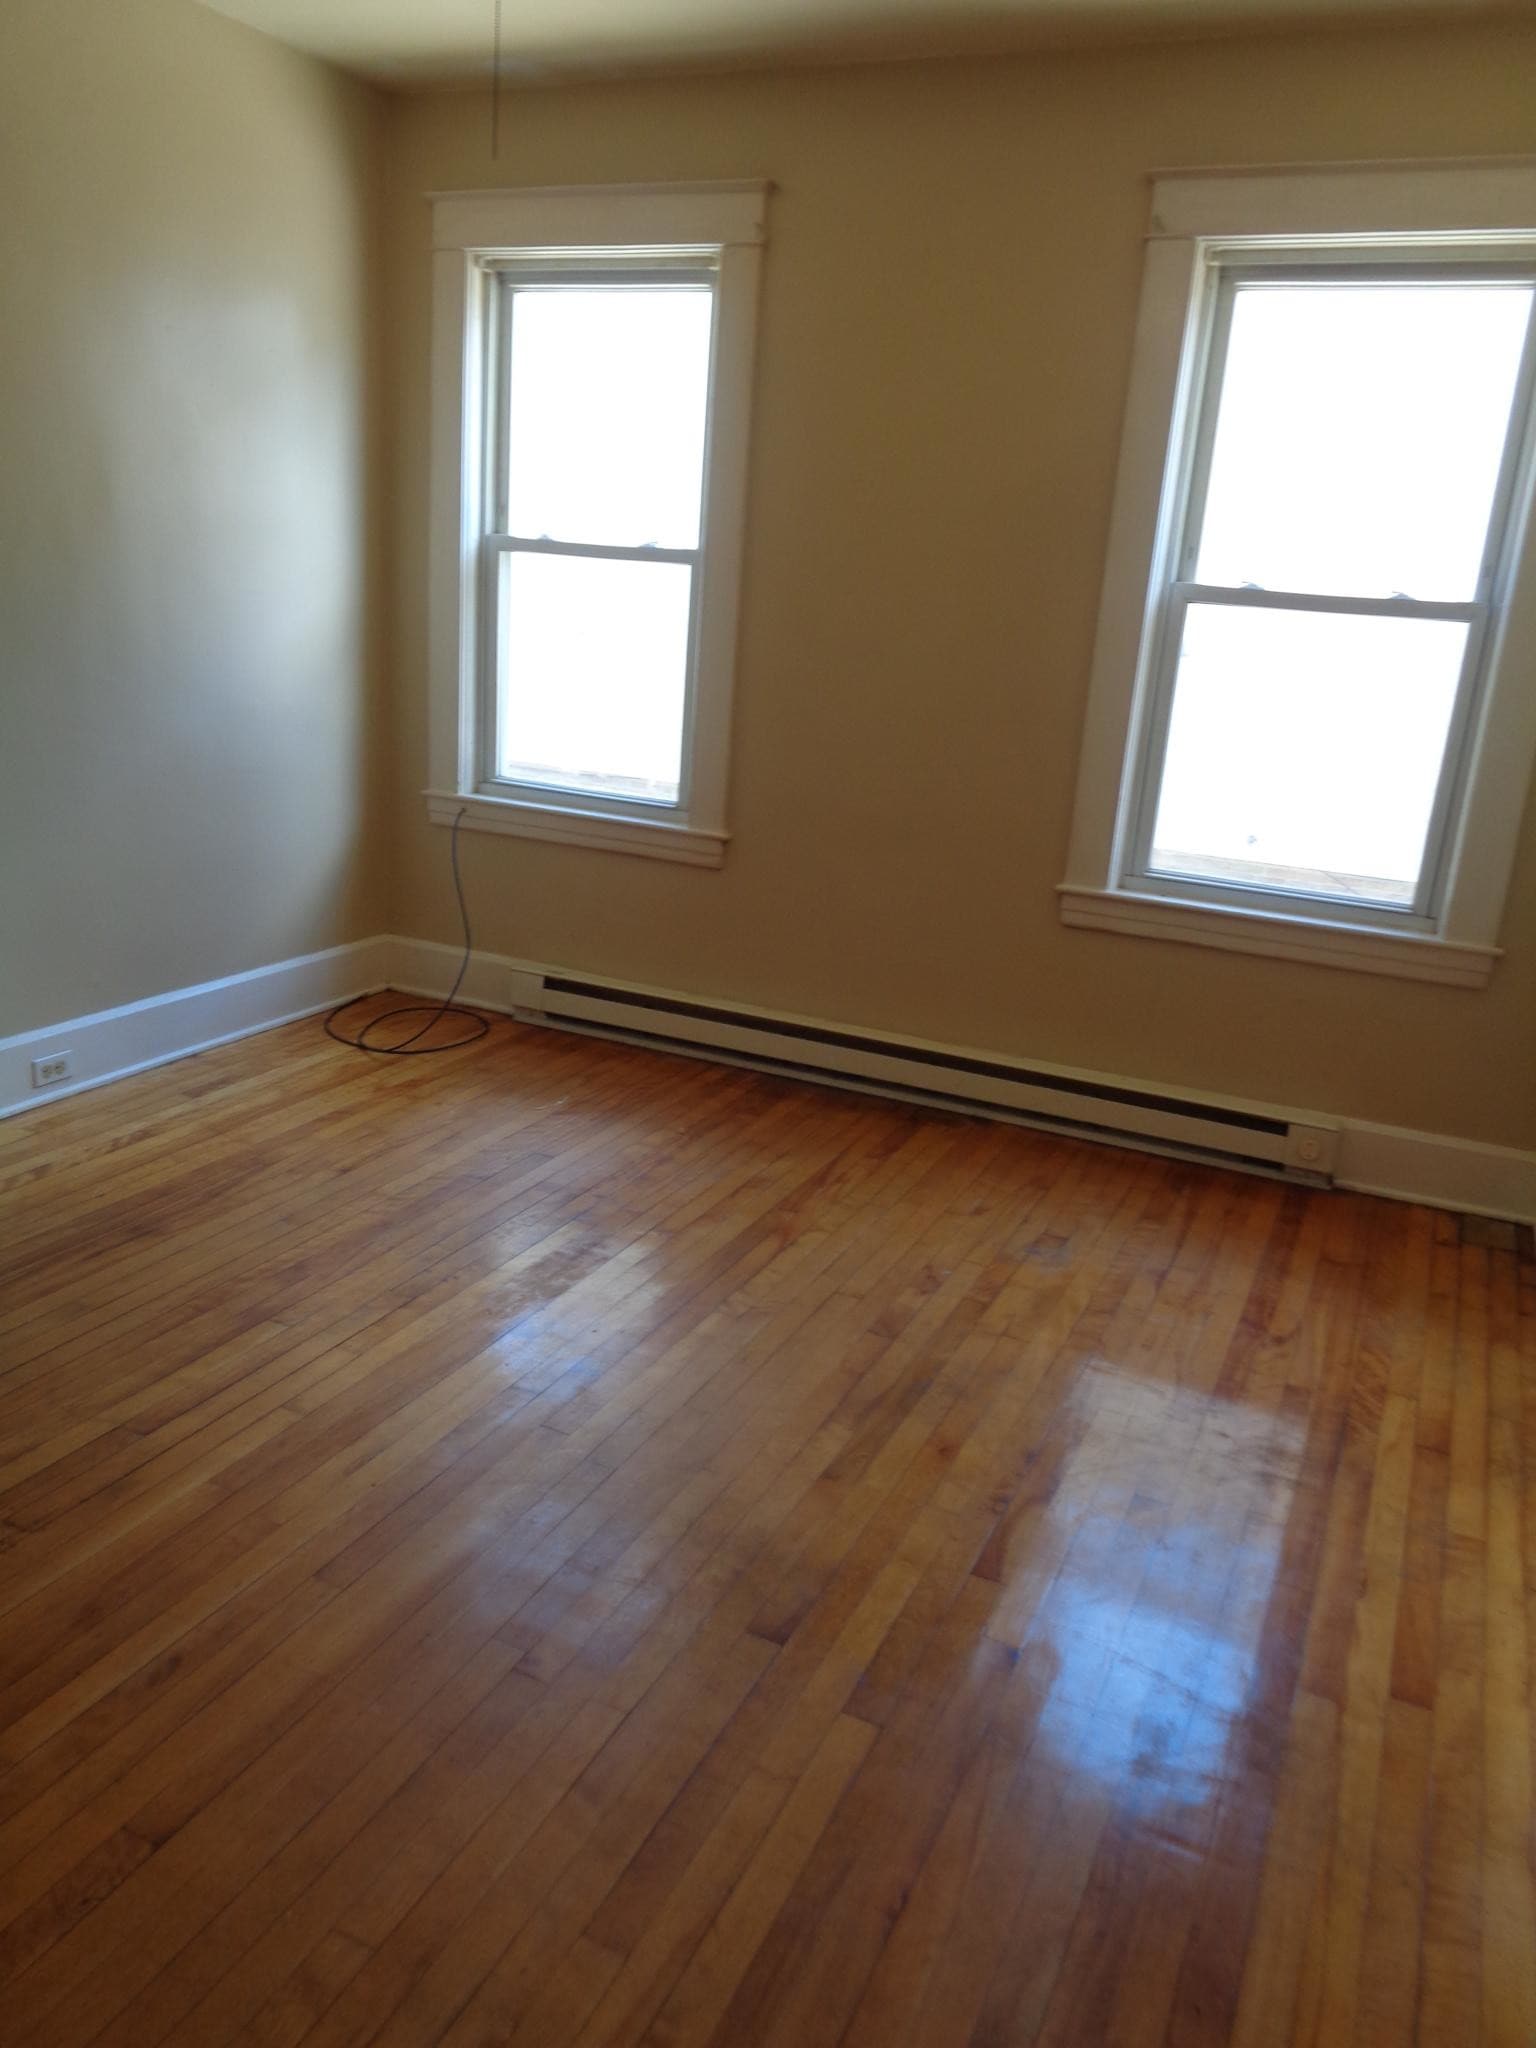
(1305, 748)
(606, 414)
(1358, 436)
(593, 673)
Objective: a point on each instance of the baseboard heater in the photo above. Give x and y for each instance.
(1082, 1106)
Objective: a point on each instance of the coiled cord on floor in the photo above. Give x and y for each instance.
(410, 1048)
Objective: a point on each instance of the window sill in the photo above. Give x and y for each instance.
(653, 838)
(1280, 935)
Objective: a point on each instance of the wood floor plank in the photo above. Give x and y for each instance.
(554, 1546)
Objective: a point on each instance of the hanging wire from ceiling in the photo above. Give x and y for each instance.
(496, 83)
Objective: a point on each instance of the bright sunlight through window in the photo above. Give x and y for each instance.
(604, 404)
(1334, 580)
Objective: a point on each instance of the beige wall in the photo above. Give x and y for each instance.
(946, 328)
(186, 214)
(193, 707)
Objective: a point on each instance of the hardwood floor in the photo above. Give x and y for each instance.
(560, 1545)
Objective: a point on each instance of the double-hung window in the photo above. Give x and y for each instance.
(593, 365)
(1309, 731)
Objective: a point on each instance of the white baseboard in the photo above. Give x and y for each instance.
(421, 967)
(1445, 1173)
(1411, 1166)
(113, 1043)
(1379, 1159)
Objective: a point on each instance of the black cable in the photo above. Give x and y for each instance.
(408, 1047)
(496, 84)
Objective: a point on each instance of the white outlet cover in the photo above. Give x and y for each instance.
(1312, 1147)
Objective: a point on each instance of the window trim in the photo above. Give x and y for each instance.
(476, 236)
(1428, 211)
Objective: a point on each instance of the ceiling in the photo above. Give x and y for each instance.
(400, 42)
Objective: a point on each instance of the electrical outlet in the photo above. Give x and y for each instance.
(48, 1072)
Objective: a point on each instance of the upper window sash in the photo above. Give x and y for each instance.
(1226, 271)
(695, 270)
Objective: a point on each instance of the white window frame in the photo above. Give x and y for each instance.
(1204, 226)
(478, 236)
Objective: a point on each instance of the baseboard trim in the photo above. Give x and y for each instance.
(111, 1044)
(1442, 1172)
(421, 967)
(1437, 1171)
(1379, 1159)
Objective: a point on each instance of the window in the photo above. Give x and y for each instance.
(594, 365)
(602, 385)
(1298, 704)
